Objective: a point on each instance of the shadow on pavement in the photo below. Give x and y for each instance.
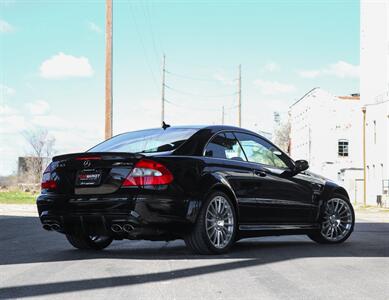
(23, 241)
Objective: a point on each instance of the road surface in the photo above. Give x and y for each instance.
(37, 263)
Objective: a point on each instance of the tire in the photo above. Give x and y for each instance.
(336, 225)
(217, 235)
(86, 242)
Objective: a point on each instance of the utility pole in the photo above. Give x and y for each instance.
(223, 115)
(240, 96)
(364, 153)
(163, 89)
(108, 70)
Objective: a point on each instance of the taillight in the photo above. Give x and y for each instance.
(148, 172)
(47, 181)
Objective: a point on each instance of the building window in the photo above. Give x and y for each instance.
(343, 147)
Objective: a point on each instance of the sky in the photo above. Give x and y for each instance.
(52, 64)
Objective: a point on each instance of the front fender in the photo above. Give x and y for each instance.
(330, 188)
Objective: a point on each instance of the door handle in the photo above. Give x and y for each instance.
(260, 173)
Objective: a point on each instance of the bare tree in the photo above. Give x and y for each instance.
(42, 149)
(282, 136)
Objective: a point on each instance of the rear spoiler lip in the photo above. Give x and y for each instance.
(104, 155)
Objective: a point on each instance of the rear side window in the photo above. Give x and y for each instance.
(146, 141)
(225, 146)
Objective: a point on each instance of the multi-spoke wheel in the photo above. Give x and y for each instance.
(89, 242)
(215, 229)
(337, 221)
(219, 222)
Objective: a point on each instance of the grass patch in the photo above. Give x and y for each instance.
(17, 197)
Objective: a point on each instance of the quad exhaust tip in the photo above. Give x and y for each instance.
(46, 226)
(128, 227)
(120, 228)
(116, 228)
(53, 226)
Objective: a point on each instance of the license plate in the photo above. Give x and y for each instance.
(88, 178)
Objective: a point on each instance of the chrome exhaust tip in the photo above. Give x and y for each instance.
(46, 226)
(55, 227)
(116, 228)
(128, 227)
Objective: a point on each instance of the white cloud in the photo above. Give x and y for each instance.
(6, 110)
(271, 67)
(6, 91)
(11, 122)
(223, 79)
(5, 27)
(73, 140)
(94, 27)
(309, 73)
(343, 69)
(64, 66)
(274, 87)
(39, 107)
(340, 69)
(51, 122)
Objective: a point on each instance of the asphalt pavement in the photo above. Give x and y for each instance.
(41, 264)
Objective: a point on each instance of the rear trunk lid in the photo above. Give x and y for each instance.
(92, 173)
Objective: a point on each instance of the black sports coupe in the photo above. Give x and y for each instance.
(208, 185)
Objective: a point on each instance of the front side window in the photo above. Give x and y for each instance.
(146, 141)
(260, 151)
(343, 147)
(225, 145)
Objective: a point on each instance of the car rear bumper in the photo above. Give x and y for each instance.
(149, 216)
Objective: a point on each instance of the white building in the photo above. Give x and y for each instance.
(326, 130)
(377, 151)
(375, 95)
(374, 54)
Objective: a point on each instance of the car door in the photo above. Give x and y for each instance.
(226, 158)
(278, 197)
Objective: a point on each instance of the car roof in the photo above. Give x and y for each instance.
(212, 127)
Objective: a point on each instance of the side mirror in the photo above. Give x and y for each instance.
(300, 165)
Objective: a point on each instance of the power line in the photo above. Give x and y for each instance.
(197, 108)
(195, 78)
(146, 13)
(149, 8)
(199, 95)
(240, 96)
(143, 46)
(193, 108)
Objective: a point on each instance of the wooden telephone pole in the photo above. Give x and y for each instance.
(240, 96)
(108, 70)
(364, 154)
(163, 89)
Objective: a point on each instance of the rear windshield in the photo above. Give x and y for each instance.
(146, 141)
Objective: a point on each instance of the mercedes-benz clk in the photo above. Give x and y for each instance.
(208, 185)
